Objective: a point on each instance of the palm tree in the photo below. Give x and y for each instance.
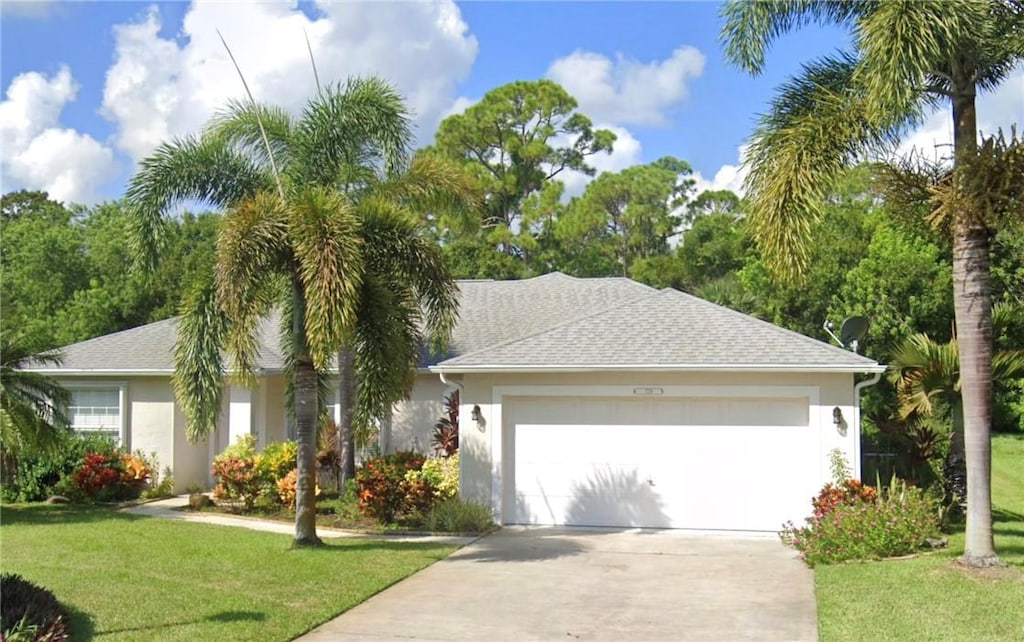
(906, 57)
(319, 223)
(924, 371)
(31, 405)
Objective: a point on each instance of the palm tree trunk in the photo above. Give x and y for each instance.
(306, 413)
(972, 302)
(347, 401)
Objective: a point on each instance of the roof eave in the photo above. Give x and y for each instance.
(685, 367)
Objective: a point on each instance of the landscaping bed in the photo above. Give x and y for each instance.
(930, 597)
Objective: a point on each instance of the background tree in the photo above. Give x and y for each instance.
(67, 275)
(292, 239)
(721, 201)
(626, 217)
(906, 57)
(514, 141)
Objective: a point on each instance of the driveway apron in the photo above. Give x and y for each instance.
(583, 584)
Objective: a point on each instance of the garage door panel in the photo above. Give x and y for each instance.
(609, 472)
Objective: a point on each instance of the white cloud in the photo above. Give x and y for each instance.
(159, 87)
(626, 91)
(37, 153)
(458, 106)
(625, 153)
(728, 177)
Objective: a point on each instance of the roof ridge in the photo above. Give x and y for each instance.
(773, 327)
(557, 326)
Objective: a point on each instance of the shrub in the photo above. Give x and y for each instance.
(848, 492)
(111, 476)
(286, 488)
(445, 438)
(442, 473)
(383, 488)
(38, 474)
(237, 479)
(276, 461)
(30, 612)
(454, 515)
(896, 522)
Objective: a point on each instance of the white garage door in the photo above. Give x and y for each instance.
(701, 463)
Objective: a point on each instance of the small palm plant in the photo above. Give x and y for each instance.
(31, 405)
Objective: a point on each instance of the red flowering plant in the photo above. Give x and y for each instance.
(386, 488)
(111, 476)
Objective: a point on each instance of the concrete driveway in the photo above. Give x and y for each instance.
(575, 584)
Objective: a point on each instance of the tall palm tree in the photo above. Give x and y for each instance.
(906, 57)
(31, 405)
(924, 371)
(319, 223)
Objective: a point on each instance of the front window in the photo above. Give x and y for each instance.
(96, 411)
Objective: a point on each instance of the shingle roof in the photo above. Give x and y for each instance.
(551, 321)
(668, 329)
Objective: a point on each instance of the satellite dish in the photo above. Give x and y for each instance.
(852, 331)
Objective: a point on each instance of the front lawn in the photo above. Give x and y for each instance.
(927, 598)
(136, 578)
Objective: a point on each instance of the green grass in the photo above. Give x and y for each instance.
(927, 598)
(135, 578)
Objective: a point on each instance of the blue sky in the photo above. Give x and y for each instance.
(91, 87)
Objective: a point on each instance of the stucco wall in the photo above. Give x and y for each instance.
(412, 420)
(481, 444)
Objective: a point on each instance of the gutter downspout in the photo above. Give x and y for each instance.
(857, 388)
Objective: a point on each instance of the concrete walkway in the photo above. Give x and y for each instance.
(171, 509)
(576, 584)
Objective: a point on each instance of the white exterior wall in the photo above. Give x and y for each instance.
(481, 444)
(412, 420)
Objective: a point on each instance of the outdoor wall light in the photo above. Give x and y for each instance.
(837, 419)
(478, 417)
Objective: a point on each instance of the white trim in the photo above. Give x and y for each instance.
(498, 394)
(684, 367)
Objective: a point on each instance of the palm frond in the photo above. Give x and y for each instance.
(363, 122)
(922, 370)
(198, 378)
(904, 44)
(395, 244)
(386, 346)
(32, 405)
(751, 27)
(817, 125)
(251, 250)
(238, 127)
(184, 170)
(324, 235)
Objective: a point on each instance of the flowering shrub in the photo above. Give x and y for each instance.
(443, 474)
(247, 477)
(896, 521)
(237, 480)
(111, 476)
(384, 490)
(286, 488)
(847, 492)
(276, 461)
